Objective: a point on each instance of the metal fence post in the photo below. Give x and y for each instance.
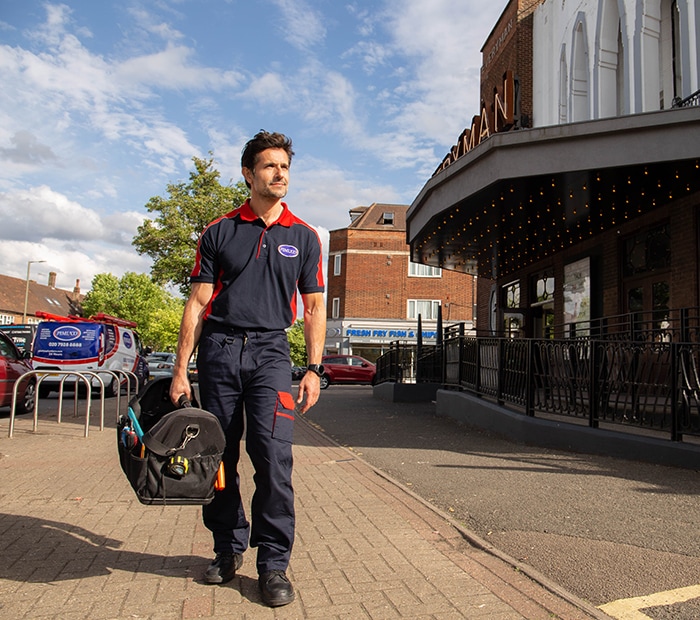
(530, 379)
(477, 378)
(501, 363)
(678, 397)
(593, 387)
(460, 356)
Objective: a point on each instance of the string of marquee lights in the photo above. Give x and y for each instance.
(549, 219)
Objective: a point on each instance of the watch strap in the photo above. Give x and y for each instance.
(316, 368)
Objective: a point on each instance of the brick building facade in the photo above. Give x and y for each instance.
(375, 294)
(509, 48)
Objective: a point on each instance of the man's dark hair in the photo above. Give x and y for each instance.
(261, 141)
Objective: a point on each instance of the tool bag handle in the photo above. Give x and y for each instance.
(183, 402)
(159, 448)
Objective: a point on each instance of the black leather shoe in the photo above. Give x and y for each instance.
(275, 588)
(223, 568)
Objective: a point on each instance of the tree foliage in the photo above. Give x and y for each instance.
(297, 344)
(135, 297)
(171, 238)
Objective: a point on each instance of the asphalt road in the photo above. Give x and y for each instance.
(605, 529)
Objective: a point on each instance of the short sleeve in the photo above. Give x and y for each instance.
(311, 278)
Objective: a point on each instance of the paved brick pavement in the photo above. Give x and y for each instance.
(75, 543)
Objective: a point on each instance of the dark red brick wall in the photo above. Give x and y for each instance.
(509, 47)
(374, 283)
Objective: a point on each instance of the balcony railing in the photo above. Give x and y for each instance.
(691, 100)
(629, 372)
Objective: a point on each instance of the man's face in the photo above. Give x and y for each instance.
(270, 177)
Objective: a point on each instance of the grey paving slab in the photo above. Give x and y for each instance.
(76, 543)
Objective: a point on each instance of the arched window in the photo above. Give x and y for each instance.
(650, 70)
(580, 109)
(670, 54)
(611, 66)
(563, 88)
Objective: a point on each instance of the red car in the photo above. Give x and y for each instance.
(347, 369)
(13, 365)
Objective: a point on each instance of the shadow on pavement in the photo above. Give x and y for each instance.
(43, 551)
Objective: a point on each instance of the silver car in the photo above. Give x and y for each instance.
(160, 365)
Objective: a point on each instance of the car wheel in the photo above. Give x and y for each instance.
(26, 403)
(325, 382)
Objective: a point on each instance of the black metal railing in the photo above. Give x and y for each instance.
(691, 100)
(649, 379)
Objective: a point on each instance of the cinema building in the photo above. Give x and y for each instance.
(574, 196)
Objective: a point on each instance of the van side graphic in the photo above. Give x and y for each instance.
(101, 342)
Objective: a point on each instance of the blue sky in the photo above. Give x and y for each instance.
(104, 103)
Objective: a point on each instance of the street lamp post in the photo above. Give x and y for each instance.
(26, 289)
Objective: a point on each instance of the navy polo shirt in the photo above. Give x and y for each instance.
(257, 269)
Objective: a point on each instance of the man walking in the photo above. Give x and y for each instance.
(248, 268)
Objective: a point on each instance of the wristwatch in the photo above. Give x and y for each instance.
(317, 368)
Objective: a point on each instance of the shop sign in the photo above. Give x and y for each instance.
(388, 333)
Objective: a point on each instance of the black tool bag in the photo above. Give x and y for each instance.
(170, 455)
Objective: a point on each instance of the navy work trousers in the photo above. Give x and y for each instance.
(245, 380)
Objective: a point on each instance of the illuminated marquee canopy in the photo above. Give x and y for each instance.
(521, 196)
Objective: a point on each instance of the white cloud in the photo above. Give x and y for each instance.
(323, 194)
(444, 41)
(71, 262)
(172, 69)
(76, 242)
(68, 90)
(120, 228)
(39, 212)
(372, 54)
(153, 25)
(268, 88)
(301, 25)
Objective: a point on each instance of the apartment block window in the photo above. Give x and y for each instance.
(6, 319)
(418, 270)
(335, 310)
(337, 263)
(388, 218)
(427, 308)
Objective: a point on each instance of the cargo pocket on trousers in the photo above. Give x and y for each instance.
(283, 426)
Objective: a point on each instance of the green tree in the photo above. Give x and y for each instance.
(135, 297)
(297, 344)
(171, 238)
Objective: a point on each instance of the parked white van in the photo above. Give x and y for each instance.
(101, 342)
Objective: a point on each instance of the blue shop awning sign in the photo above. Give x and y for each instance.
(389, 334)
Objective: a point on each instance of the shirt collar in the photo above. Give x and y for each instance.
(285, 219)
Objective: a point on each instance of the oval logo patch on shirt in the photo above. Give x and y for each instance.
(288, 250)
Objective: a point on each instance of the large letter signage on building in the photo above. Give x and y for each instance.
(503, 118)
